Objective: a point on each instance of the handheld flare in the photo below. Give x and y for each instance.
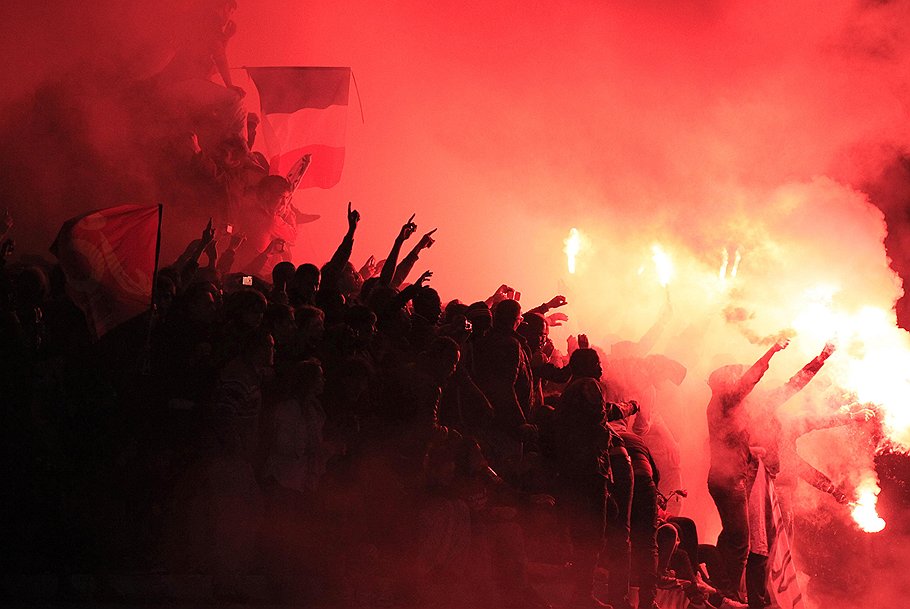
(663, 264)
(863, 512)
(572, 247)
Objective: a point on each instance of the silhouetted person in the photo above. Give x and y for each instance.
(502, 370)
(425, 318)
(779, 450)
(643, 520)
(304, 286)
(535, 330)
(580, 444)
(338, 273)
(731, 460)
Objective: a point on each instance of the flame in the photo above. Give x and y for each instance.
(663, 264)
(726, 270)
(875, 357)
(725, 260)
(572, 248)
(864, 507)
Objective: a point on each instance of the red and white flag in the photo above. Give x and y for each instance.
(109, 258)
(304, 111)
(782, 579)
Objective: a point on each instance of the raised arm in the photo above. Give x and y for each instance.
(388, 269)
(407, 294)
(748, 380)
(226, 260)
(811, 423)
(821, 482)
(332, 271)
(555, 302)
(503, 292)
(211, 253)
(219, 55)
(408, 262)
(191, 263)
(801, 378)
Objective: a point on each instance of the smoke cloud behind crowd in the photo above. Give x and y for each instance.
(771, 134)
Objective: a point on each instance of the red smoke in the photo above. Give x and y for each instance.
(706, 127)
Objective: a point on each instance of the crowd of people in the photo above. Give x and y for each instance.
(333, 417)
(324, 424)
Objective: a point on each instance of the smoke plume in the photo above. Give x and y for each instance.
(760, 145)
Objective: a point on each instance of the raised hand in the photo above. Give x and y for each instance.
(427, 240)
(423, 278)
(353, 218)
(781, 344)
(368, 269)
(557, 301)
(555, 320)
(502, 293)
(208, 234)
(211, 250)
(407, 229)
(827, 351)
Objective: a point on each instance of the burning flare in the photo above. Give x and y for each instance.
(736, 259)
(725, 260)
(726, 271)
(864, 507)
(663, 264)
(572, 247)
(875, 370)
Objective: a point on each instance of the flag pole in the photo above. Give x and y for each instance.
(359, 100)
(153, 311)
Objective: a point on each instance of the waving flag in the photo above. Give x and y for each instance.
(304, 111)
(109, 258)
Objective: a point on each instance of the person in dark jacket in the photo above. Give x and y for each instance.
(502, 370)
(580, 442)
(728, 474)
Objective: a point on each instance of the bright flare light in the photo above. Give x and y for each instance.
(875, 361)
(726, 270)
(864, 508)
(572, 247)
(663, 264)
(736, 259)
(725, 260)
